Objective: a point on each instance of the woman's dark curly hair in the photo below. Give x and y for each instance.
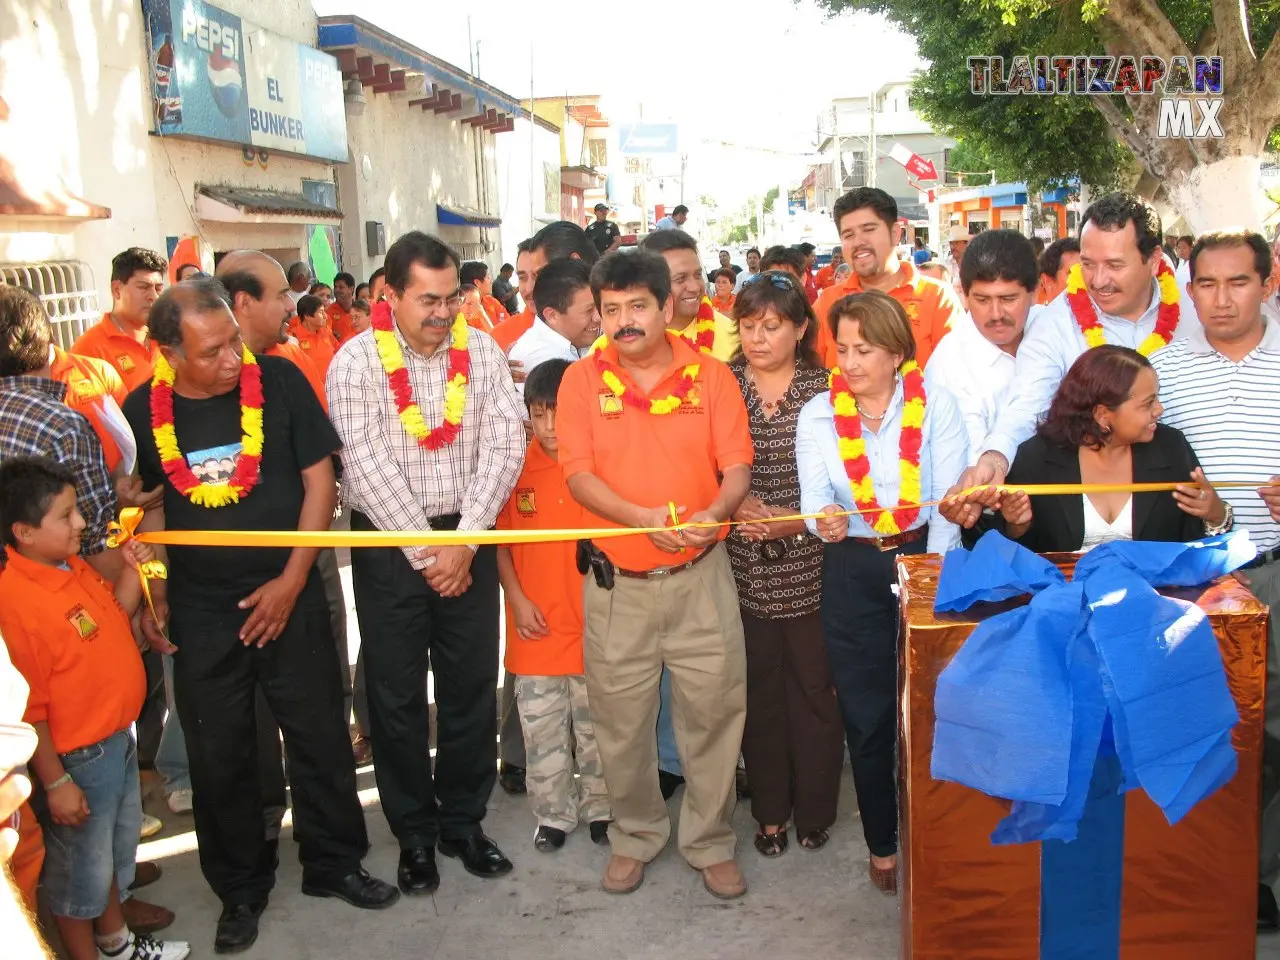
(1102, 376)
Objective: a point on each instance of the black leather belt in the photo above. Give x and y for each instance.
(1262, 559)
(661, 572)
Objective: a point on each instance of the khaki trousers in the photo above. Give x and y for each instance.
(690, 623)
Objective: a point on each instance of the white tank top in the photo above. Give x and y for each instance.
(1097, 530)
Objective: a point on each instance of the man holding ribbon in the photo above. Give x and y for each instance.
(433, 438)
(1121, 292)
(653, 432)
(240, 443)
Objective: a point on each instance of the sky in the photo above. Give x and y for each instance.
(755, 74)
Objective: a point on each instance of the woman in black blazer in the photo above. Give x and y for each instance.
(1103, 427)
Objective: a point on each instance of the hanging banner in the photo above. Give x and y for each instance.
(215, 76)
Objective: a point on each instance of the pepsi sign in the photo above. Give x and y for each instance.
(215, 76)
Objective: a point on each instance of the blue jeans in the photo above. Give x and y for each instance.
(80, 861)
(668, 756)
(171, 755)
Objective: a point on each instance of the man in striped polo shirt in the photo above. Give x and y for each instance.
(1221, 387)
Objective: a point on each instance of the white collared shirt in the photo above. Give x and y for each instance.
(1230, 414)
(541, 343)
(1050, 348)
(977, 373)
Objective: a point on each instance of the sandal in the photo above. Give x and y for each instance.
(815, 839)
(885, 879)
(771, 844)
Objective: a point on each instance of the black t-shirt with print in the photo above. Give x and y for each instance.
(603, 233)
(296, 435)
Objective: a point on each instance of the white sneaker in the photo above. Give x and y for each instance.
(150, 826)
(146, 948)
(180, 801)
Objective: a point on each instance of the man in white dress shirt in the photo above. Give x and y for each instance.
(1119, 256)
(567, 322)
(975, 362)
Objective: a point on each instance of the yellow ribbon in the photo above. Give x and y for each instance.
(118, 534)
(320, 539)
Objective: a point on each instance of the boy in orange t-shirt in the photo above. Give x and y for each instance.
(68, 633)
(543, 588)
(313, 333)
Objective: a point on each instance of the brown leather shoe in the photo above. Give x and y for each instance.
(145, 873)
(724, 881)
(142, 917)
(886, 880)
(362, 750)
(622, 874)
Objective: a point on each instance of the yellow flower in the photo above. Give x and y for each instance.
(913, 413)
(864, 491)
(601, 342)
(460, 332)
(162, 373)
(1095, 337)
(1151, 344)
(1168, 287)
(886, 526)
(691, 371)
(851, 449)
(664, 405)
(909, 367)
(167, 442)
(910, 482)
(845, 405)
(1075, 279)
(388, 351)
(414, 425)
(613, 383)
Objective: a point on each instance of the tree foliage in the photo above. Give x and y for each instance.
(1050, 140)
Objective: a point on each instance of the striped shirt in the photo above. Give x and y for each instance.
(1230, 413)
(36, 422)
(396, 483)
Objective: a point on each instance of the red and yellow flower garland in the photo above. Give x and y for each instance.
(659, 405)
(245, 476)
(455, 392)
(1086, 316)
(702, 332)
(853, 450)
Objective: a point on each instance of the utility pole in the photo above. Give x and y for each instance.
(871, 173)
(471, 47)
(838, 179)
(684, 159)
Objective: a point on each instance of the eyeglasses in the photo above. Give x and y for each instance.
(779, 279)
(452, 302)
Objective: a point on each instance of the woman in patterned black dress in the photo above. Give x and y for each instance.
(793, 741)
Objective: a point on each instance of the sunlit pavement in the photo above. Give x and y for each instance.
(803, 905)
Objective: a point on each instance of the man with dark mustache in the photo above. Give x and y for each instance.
(975, 362)
(652, 431)
(867, 220)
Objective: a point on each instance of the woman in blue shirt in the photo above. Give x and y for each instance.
(874, 428)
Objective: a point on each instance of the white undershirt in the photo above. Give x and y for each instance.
(1098, 531)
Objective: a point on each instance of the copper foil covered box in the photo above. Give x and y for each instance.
(1188, 891)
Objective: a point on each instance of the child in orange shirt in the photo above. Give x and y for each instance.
(543, 589)
(68, 633)
(723, 300)
(313, 333)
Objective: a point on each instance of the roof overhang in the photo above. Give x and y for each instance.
(581, 177)
(452, 215)
(386, 64)
(222, 204)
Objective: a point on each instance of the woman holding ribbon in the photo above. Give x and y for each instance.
(1103, 427)
(792, 740)
(874, 439)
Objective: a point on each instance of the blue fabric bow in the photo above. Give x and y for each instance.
(1099, 666)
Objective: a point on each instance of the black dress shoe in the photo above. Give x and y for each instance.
(600, 831)
(1268, 912)
(548, 839)
(512, 780)
(238, 926)
(669, 783)
(358, 889)
(417, 873)
(480, 856)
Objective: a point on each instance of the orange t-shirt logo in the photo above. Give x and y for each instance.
(610, 404)
(84, 624)
(525, 503)
(126, 363)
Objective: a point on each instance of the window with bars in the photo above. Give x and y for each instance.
(67, 290)
(597, 153)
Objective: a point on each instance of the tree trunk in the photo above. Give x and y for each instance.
(1224, 193)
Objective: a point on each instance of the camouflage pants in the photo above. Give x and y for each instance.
(556, 719)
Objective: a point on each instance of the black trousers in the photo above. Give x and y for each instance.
(860, 619)
(405, 626)
(216, 681)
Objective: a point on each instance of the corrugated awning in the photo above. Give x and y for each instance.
(451, 215)
(249, 205)
(29, 188)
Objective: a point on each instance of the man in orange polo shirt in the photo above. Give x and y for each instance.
(314, 337)
(867, 220)
(120, 337)
(476, 273)
(517, 325)
(667, 598)
(339, 312)
(827, 275)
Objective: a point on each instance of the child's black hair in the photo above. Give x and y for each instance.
(27, 486)
(543, 383)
